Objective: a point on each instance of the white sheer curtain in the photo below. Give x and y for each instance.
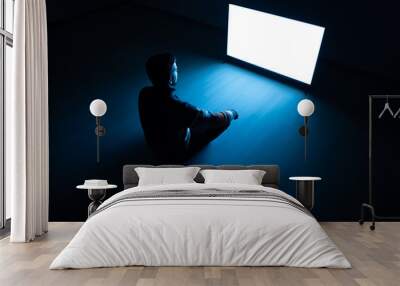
(27, 124)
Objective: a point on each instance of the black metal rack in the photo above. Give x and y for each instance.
(370, 205)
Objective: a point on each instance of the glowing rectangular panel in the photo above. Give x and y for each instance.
(284, 46)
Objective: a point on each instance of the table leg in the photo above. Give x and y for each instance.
(97, 197)
(305, 193)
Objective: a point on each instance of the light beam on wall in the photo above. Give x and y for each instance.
(281, 45)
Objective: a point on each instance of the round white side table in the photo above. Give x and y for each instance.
(96, 194)
(305, 190)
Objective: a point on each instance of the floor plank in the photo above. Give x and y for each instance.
(375, 257)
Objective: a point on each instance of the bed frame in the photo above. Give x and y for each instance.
(271, 177)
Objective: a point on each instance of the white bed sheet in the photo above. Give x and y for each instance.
(202, 232)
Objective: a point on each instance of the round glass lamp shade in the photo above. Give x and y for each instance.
(305, 107)
(98, 107)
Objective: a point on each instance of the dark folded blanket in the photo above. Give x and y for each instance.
(203, 194)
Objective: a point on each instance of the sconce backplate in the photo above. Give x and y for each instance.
(304, 131)
(100, 130)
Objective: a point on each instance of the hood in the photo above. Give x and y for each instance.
(158, 68)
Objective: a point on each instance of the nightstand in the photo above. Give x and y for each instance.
(96, 192)
(305, 190)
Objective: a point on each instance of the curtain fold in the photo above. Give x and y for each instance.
(27, 124)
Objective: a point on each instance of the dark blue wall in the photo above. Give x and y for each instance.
(102, 55)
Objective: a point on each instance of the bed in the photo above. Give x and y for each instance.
(198, 224)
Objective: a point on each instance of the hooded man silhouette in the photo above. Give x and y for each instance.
(175, 129)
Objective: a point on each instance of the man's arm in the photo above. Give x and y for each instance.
(190, 115)
(216, 119)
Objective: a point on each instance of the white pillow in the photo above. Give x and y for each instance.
(164, 176)
(248, 177)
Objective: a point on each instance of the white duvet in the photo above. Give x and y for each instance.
(200, 231)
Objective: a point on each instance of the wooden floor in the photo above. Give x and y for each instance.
(375, 257)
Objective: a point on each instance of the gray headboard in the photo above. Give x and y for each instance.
(271, 177)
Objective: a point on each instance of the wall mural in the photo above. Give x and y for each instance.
(220, 113)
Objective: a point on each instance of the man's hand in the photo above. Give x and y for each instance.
(233, 114)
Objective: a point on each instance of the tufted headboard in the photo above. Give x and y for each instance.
(271, 177)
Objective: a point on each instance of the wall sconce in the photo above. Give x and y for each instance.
(305, 108)
(98, 108)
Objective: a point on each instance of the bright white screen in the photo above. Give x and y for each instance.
(279, 44)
